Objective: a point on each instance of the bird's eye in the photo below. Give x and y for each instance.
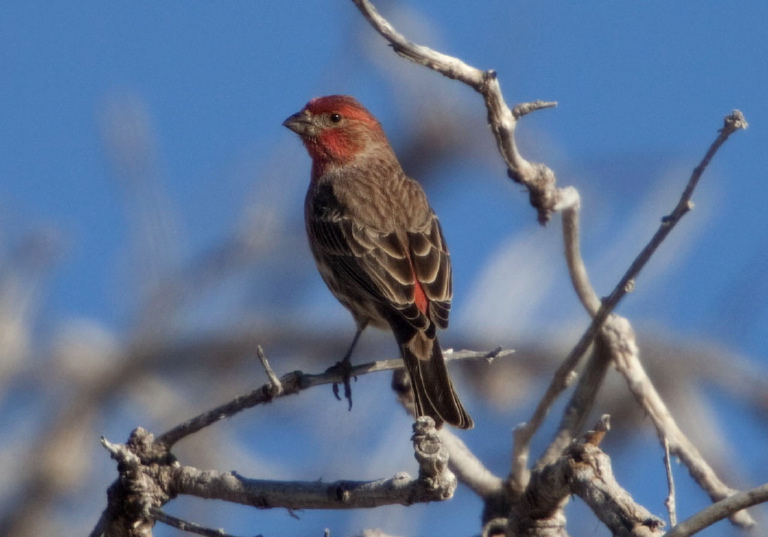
(335, 118)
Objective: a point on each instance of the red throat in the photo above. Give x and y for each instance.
(333, 146)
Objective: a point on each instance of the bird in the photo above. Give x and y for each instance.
(378, 245)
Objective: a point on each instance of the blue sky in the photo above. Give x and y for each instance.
(217, 81)
(642, 89)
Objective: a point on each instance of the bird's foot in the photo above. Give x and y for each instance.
(344, 368)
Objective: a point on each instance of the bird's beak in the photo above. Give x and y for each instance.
(299, 123)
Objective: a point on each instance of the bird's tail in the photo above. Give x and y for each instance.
(433, 391)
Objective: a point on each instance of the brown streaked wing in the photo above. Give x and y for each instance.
(375, 261)
(332, 246)
(432, 264)
(389, 267)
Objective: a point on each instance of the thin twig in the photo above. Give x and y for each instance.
(293, 383)
(565, 373)
(277, 388)
(537, 178)
(523, 109)
(582, 401)
(733, 122)
(523, 433)
(670, 501)
(183, 525)
(576, 268)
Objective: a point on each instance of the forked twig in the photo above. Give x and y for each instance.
(565, 373)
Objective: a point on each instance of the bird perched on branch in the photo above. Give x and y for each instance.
(378, 245)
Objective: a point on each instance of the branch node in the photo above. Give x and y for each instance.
(131, 498)
(523, 109)
(733, 122)
(596, 435)
(490, 355)
(629, 286)
(432, 458)
(570, 377)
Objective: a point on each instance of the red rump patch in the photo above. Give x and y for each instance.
(420, 297)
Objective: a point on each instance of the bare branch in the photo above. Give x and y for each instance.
(566, 372)
(594, 483)
(583, 470)
(540, 181)
(576, 268)
(442, 63)
(582, 401)
(720, 510)
(231, 487)
(519, 474)
(435, 482)
(183, 525)
(131, 497)
(629, 365)
(293, 383)
(670, 501)
(150, 477)
(732, 123)
(537, 178)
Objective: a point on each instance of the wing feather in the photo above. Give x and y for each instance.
(386, 265)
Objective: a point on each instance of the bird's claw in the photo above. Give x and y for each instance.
(344, 368)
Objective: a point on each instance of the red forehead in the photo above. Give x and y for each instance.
(343, 104)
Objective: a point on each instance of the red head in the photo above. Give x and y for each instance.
(335, 129)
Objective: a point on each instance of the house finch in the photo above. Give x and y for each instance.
(378, 244)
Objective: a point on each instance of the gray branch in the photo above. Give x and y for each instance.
(718, 511)
(537, 178)
(150, 477)
(583, 470)
(629, 365)
(292, 384)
